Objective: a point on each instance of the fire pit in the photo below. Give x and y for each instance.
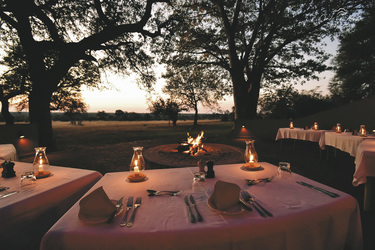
(172, 155)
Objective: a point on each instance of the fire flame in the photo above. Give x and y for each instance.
(195, 143)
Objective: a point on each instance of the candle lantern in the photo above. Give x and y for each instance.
(137, 165)
(291, 126)
(316, 126)
(250, 156)
(338, 128)
(41, 165)
(362, 131)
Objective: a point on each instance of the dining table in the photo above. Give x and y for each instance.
(344, 141)
(302, 217)
(28, 211)
(365, 172)
(8, 152)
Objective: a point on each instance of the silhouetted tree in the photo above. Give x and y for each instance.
(355, 62)
(195, 85)
(166, 107)
(56, 35)
(255, 42)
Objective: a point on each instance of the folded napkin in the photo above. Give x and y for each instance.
(96, 205)
(226, 195)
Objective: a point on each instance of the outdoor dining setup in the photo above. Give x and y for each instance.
(205, 206)
(358, 144)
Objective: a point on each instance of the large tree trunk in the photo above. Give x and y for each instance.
(245, 97)
(9, 119)
(40, 115)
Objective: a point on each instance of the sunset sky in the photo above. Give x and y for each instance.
(127, 96)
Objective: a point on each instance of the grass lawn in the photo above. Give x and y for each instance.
(106, 146)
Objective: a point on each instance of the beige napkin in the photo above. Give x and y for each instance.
(226, 195)
(96, 204)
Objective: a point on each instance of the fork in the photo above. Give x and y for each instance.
(248, 197)
(137, 204)
(129, 206)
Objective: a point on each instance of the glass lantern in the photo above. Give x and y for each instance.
(137, 165)
(41, 165)
(362, 131)
(250, 156)
(316, 126)
(338, 128)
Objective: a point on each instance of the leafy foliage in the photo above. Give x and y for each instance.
(253, 42)
(355, 62)
(166, 107)
(287, 102)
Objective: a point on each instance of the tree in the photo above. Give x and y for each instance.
(256, 42)
(355, 62)
(194, 85)
(55, 35)
(287, 102)
(166, 107)
(72, 106)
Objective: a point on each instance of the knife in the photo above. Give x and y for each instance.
(119, 205)
(199, 216)
(321, 190)
(191, 215)
(129, 206)
(8, 194)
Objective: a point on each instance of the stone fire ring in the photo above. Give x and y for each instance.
(168, 155)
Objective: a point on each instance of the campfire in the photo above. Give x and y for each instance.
(192, 145)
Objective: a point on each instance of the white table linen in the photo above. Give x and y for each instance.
(300, 134)
(364, 162)
(316, 221)
(8, 152)
(344, 141)
(26, 216)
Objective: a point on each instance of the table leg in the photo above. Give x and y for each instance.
(369, 196)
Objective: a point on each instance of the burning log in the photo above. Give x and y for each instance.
(193, 145)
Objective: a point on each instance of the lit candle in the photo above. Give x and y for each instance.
(136, 168)
(315, 125)
(291, 125)
(40, 169)
(338, 128)
(251, 161)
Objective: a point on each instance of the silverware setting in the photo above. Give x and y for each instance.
(137, 204)
(256, 181)
(155, 192)
(191, 215)
(321, 190)
(260, 209)
(199, 216)
(129, 206)
(2, 196)
(119, 206)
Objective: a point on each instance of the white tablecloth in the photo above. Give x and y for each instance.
(26, 216)
(364, 162)
(344, 141)
(303, 218)
(8, 152)
(300, 134)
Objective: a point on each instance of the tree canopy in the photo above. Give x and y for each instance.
(355, 61)
(193, 85)
(56, 35)
(256, 42)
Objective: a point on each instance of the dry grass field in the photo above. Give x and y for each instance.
(106, 146)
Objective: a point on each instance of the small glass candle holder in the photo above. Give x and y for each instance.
(315, 127)
(41, 165)
(362, 131)
(338, 128)
(137, 166)
(291, 125)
